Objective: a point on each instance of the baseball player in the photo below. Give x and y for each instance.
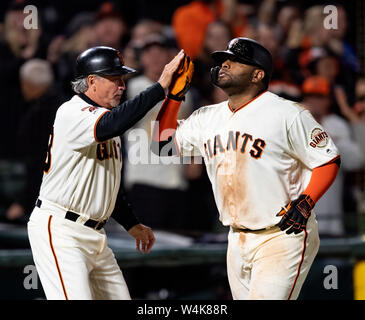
(268, 161)
(80, 186)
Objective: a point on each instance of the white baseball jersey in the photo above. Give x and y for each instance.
(258, 157)
(81, 175)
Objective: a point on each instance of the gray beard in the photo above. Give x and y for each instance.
(114, 103)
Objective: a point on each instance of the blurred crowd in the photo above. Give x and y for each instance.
(313, 65)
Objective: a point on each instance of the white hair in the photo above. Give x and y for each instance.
(37, 72)
(79, 85)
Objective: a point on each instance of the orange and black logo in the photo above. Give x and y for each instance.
(319, 138)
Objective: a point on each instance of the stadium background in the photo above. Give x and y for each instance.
(188, 261)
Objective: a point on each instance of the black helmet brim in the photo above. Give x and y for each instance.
(116, 71)
(221, 56)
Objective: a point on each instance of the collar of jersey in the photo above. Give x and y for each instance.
(247, 103)
(84, 97)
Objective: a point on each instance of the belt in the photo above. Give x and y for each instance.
(94, 224)
(251, 230)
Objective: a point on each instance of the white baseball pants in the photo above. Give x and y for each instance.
(73, 261)
(270, 264)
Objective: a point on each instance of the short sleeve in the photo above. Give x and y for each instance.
(80, 125)
(188, 136)
(309, 142)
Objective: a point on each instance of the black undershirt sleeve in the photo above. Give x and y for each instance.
(338, 162)
(123, 212)
(127, 114)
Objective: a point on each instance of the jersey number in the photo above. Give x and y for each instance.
(47, 163)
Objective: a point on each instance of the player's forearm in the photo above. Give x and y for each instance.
(321, 179)
(127, 114)
(166, 121)
(297, 212)
(165, 127)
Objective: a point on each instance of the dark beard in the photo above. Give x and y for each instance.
(237, 85)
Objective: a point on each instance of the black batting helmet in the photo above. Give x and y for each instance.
(101, 61)
(247, 51)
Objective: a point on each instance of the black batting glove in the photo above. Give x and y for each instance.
(295, 214)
